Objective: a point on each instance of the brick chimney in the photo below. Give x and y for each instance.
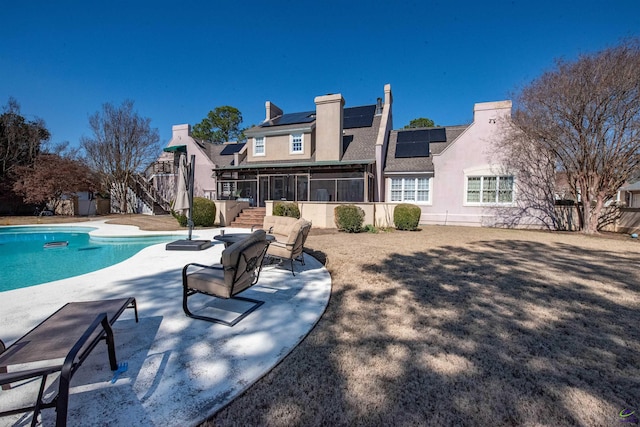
(329, 117)
(272, 110)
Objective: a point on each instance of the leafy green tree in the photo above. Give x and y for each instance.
(421, 122)
(221, 125)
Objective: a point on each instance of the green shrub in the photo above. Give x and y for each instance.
(348, 218)
(406, 216)
(289, 209)
(370, 229)
(204, 213)
(182, 219)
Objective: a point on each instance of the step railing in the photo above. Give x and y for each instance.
(149, 195)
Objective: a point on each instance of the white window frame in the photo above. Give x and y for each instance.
(263, 145)
(484, 188)
(407, 185)
(292, 141)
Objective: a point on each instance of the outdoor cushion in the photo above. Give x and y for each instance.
(290, 234)
(240, 269)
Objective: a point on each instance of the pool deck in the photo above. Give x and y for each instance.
(181, 370)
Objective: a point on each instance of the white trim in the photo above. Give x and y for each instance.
(465, 194)
(278, 131)
(415, 178)
(264, 146)
(485, 170)
(408, 173)
(291, 136)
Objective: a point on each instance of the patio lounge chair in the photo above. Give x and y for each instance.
(60, 344)
(240, 269)
(291, 235)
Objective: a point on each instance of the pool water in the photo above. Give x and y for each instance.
(25, 261)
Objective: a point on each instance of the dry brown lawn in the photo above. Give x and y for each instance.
(144, 222)
(461, 326)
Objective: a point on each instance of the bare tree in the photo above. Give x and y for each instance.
(582, 119)
(123, 143)
(535, 178)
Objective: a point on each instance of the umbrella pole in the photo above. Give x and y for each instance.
(191, 179)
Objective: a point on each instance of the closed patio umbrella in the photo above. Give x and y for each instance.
(184, 203)
(181, 203)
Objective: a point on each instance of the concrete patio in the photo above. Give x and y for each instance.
(180, 370)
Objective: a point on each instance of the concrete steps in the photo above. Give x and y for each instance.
(249, 217)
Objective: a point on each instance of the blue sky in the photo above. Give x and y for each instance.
(178, 60)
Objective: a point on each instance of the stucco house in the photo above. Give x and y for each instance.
(162, 173)
(331, 154)
(337, 153)
(630, 194)
(449, 171)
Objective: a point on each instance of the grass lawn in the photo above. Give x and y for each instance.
(462, 326)
(459, 326)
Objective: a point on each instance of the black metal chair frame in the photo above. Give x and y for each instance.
(67, 369)
(254, 264)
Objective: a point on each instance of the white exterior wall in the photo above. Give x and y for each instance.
(471, 152)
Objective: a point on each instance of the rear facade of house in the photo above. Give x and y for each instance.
(338, 153)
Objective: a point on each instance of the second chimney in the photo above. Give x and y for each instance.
(329, 117)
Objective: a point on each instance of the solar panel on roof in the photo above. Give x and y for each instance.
(358, 117)
(291, 119)
(422, 135)
(413, 136)
(230, 149)
(437, 135)
(412, 149)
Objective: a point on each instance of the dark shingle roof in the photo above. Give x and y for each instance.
(360, 143)
(360, 132)
(215, 153)
(418, 164)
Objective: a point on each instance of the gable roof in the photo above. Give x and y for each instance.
(222, 154)
(634, 186)
(417, 146)
(360, 131)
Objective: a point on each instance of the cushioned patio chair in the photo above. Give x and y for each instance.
(240, 269)
(291, 246)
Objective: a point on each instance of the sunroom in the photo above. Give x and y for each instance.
(330, 181)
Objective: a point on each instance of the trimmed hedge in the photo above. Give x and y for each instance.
(406, 216)
(204, 213)
(289, 209)
(349, 218)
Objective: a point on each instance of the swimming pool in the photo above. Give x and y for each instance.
(25, 261)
